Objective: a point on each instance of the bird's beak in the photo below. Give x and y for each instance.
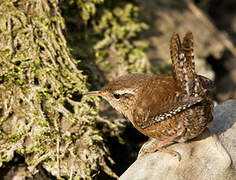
(94, 93)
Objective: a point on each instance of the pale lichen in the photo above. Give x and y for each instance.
(43, 116)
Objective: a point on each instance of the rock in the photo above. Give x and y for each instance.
(210, 156)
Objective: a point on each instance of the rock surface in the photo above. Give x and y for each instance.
(210, 156)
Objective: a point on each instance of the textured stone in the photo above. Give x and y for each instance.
(210, 156)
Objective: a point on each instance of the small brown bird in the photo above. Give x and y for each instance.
(170, 108)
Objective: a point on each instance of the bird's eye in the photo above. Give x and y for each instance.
(117, 96)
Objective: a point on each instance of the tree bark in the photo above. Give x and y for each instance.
(43, 115)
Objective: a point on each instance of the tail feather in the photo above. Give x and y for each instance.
(176, 54)
(182, 57)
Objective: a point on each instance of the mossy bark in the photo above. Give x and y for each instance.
(109, 32)
(43, 115)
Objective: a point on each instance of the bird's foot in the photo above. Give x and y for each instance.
(160, 146)
(157, 147)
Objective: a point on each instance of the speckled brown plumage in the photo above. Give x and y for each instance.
(174, 107)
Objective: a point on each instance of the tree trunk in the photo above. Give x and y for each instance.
(43, 115)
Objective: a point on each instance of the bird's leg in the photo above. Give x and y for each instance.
(161, 146)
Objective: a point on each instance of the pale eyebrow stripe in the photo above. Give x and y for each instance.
(125, 91)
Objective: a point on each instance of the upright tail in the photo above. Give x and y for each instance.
(182, 57)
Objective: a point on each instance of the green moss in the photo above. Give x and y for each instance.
(42, 83)
(15, 137)
(109, 33)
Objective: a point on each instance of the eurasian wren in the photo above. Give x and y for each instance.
(171, 108)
